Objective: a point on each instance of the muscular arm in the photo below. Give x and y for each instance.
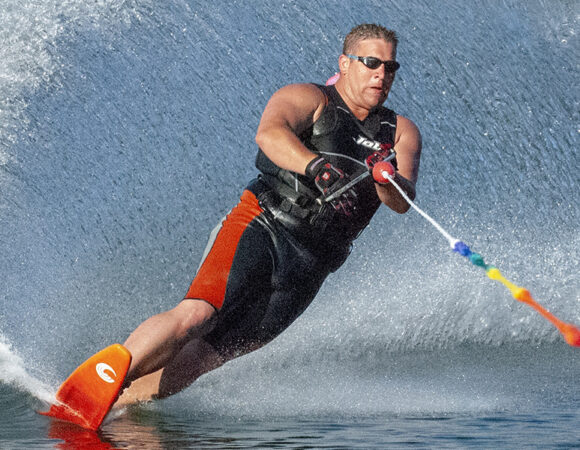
(289, 112)
(408, 149)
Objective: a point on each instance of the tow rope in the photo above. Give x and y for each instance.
(570, 333)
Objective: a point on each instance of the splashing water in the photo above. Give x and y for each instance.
(13, 371)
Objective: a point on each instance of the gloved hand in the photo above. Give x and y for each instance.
(329, 179)
(324, 174)
(377, 165)
(380, 170)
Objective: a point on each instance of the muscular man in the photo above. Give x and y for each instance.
(295, 223)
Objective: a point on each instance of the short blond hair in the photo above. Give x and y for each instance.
(367, 31)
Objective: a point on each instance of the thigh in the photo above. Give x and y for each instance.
(278, 281)
(227, 257)
(247, 294)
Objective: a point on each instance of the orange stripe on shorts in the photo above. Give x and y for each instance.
(212, 277)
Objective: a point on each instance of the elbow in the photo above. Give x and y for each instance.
(260, 138)
(402, 209)
(401, 205)
(266, 135)
(405, 205)
(266, 141)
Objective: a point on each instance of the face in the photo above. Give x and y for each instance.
(366, 88)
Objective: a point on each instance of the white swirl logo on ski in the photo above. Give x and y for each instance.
(101, 368)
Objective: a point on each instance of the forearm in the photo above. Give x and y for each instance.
(390, 196)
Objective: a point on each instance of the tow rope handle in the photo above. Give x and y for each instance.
(321, 200)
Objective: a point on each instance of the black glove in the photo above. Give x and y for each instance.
(385, 152)
(325, 175)
(329, 179)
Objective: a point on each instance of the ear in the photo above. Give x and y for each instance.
(343, 63)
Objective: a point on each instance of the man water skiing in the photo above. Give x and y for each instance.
(294, 224)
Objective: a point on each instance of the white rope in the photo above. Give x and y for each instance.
(452, 241)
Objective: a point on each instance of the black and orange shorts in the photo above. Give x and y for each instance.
(257, 276)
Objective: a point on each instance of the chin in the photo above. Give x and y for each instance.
(377, 100)
(378, 103)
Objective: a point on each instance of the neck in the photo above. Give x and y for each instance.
(359, 112)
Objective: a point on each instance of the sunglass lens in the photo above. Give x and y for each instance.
(374, 63)
(371, 62)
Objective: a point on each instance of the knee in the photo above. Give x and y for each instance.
(196, 318)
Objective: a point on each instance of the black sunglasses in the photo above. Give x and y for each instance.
(374, 63)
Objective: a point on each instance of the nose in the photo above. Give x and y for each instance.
(379, 72)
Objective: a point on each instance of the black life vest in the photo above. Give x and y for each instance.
(346, 143)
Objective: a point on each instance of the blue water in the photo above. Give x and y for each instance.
(126, 132)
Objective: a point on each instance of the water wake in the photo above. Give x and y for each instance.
(13, 372)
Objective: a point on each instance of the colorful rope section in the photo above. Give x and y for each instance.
(570, 333)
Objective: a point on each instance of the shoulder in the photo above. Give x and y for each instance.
(297, 102)
(302, 95)
(302, 89)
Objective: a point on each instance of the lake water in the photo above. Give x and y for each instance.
(126, 133)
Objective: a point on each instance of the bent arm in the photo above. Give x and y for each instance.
(289, 112)
(408, 149)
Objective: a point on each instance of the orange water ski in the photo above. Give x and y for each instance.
(88, 394)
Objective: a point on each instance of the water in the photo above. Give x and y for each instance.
(126, 132)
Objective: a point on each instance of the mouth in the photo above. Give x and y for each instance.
(377, 90)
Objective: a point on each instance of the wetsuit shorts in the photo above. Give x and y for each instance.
(257, 276)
